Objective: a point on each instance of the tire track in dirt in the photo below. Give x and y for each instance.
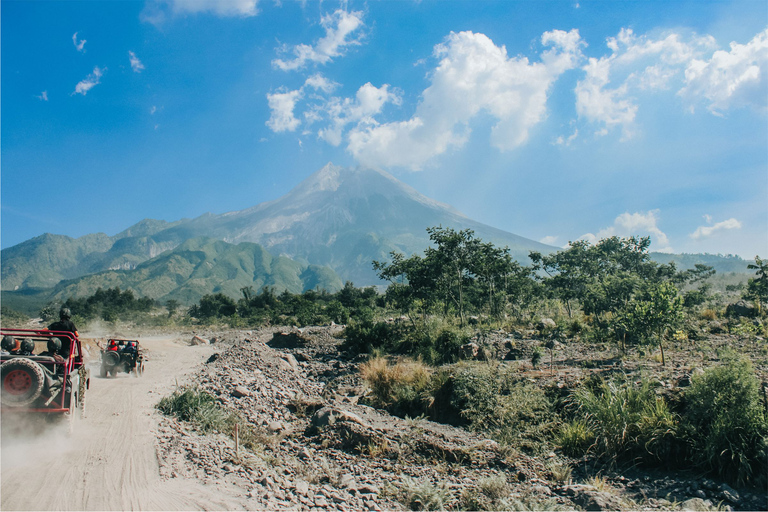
(110, 461)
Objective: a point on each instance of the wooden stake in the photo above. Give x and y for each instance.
(237, 440)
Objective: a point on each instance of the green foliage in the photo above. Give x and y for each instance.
(423, 495)
(575, 438)
(197, 407)
(404, 388)
(757, 287)
(459, 274)
(110, 305)
(727, 423)
(628, 421)
(12, 318)
(491, 398)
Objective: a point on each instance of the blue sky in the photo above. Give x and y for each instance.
(552, 120)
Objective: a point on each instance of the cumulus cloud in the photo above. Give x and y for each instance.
(360, 111)
(634, 224)
(321, 83)
(89, 82)
(157, 11)
(282, 104)
(224, 8)
(731, 79)
(636, 63)
(339, 29)
(136, 64)
(549, 240)
(473, 76)
(703, 232)
(78, 46)
(43, 96)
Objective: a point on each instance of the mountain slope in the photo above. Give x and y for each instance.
(342, 218)
(201, 266)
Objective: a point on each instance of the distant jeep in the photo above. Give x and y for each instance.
(121, 356)
(43, 372)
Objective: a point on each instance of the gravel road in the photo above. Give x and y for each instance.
(110, 461)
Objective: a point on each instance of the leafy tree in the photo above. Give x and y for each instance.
(659, 309)
(216, 306)
(172, 305)
(757, 287)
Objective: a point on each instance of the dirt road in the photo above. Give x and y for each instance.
(110, 462)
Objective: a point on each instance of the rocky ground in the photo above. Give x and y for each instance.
(319, 449)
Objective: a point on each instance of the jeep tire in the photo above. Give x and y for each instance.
(22, 381)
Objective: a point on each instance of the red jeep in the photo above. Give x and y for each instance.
(121, 356)
(47, 376)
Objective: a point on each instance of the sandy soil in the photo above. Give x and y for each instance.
(110, 461)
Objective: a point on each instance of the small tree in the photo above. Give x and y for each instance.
(660, 309)
(171, 305)
(757, 287)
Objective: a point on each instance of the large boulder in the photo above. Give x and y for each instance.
(739, 309)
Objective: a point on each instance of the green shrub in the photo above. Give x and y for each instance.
(727, 424)
(423, 495)
(403, 388)
(575, 438)
(197, 407)
(364, 336)
(492, 399)
(629, 421)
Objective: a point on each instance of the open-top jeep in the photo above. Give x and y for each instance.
(121, 356)
(43, 372)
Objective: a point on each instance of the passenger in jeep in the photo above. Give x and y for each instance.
(54, 349)
(64, 324)
(25, 348)
(8, 344)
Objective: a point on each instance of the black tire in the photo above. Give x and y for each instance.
(22, 381)
(110, 358)
(103, 371)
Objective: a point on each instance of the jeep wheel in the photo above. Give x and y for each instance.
(103, 371)
(111, 358)
(22, 382)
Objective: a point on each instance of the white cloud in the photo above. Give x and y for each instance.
(473, 76)
(43, 96)
(368, 102)
(152, 110)
(89, 82)
(709, 231)
(735, 78)
(549, 240)
(224, 8)
(636, 64)
(339, 28)
(563, 141)
(78, 46)
(136, 64)
(158, 11)
(634, 224)
(282, 105)
(320, 83)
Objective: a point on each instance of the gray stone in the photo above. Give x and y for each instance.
(240, 391)
(695, 504)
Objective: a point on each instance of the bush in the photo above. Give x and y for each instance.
(197, 407)
(490, 398)
(403, 388)
(575, 438)
(365, 336)
(423, 495)
(727, 424)
(629, 421)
